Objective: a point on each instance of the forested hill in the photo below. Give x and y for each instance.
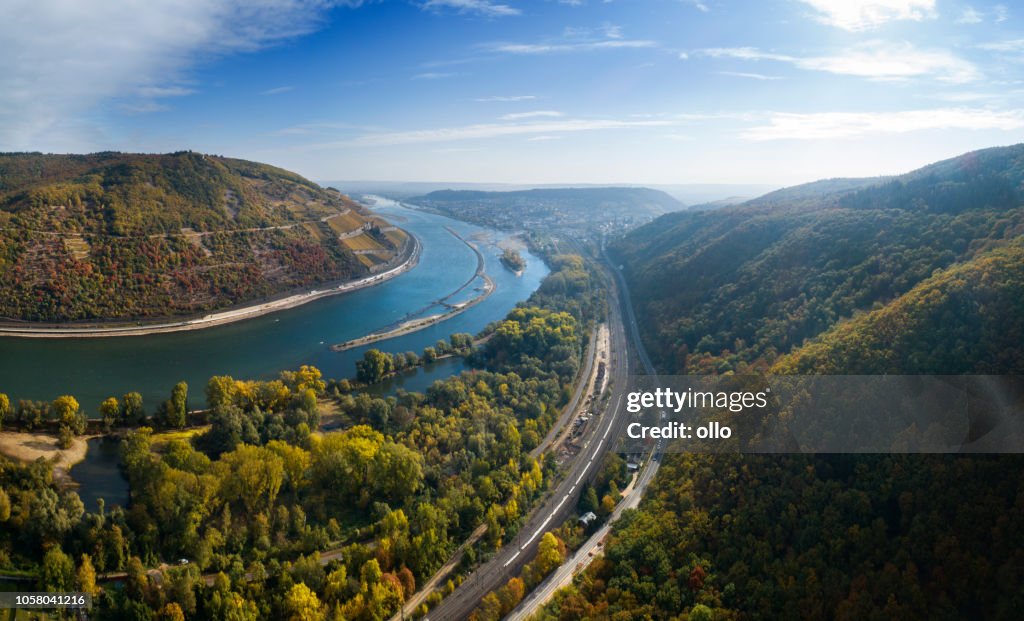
(917, 274)
(116, 235)
(966, 319)
(727, 289)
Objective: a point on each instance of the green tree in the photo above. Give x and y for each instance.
(137, 581)
(252, 475)
(700, 612)
(132, 412)
(220, 390)
(589, 501)
(174, 411)
(65, 437)
(179, 399)
(296, 462)
(57, 572)
(374, 366)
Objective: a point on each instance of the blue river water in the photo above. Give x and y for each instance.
(259, 348)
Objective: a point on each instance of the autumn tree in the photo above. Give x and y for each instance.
(252, 475)
(65, 409)
(85, 578)
(302, 604)
(110, 410)
(171, 612)
(5, 506)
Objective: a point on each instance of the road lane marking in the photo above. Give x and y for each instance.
(587, 467)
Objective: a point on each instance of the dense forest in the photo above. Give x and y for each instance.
(918, 274)
(280, 520)
(731, 289)
(120, 236)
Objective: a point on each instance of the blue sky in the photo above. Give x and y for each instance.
(623, 91)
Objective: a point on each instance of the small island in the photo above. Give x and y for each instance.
(513, 260)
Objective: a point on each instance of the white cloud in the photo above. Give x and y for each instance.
(322, 127)
(543, 138)
(504, 98)
(278, 90)
(612, 31)
(478, 7)
(876, 60)
(697, 4)
(752, 76)
(964, 97)
(155, 92)
(486, 130)
(433, 75)
(970, 16)
(744, 53)
(1012, 45)
(552, 48)
(856, 15)
(58, 61)
(833, 125)
(144, 107)
(518, 116)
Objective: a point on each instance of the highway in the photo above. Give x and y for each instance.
(560, 503)
(570, 410)
(593, 546)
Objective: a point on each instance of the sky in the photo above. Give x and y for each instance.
(516, 91)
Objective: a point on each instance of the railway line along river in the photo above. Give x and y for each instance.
(95, 368)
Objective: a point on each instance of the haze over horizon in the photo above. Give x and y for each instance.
(509, 91)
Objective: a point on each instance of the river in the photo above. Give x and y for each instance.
(259, 348)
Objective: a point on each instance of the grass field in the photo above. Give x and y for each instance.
(164, 437)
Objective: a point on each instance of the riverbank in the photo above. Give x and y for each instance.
(415, 325)
(220, 318)
(28, 447)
